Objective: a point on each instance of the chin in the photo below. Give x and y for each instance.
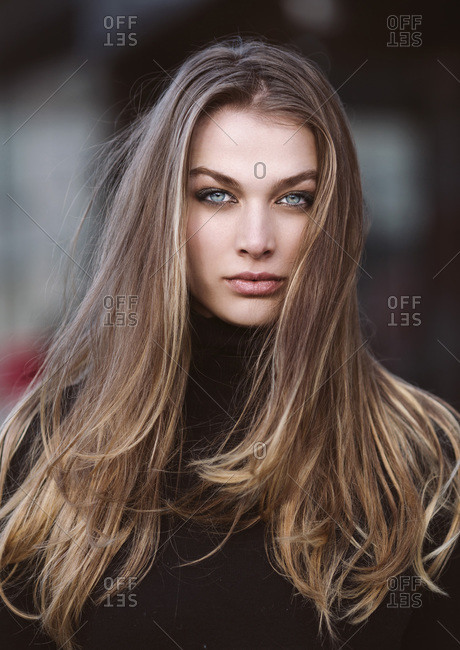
(247, 312)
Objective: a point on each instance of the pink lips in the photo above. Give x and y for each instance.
(254, 287)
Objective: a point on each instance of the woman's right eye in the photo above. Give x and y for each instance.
(203, 195)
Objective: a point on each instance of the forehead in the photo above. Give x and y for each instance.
(238, 138)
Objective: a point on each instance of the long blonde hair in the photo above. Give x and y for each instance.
(356, 462)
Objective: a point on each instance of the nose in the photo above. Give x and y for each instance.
(255, 235)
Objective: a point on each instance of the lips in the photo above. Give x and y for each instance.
(255, 277)
(249, 287)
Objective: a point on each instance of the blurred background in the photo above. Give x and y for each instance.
(74, 72)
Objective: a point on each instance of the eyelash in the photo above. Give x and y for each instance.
(202, 195)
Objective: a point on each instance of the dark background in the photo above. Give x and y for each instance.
(72, 73)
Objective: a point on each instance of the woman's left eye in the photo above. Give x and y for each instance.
(297, 199)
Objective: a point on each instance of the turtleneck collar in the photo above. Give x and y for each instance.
(218, 337)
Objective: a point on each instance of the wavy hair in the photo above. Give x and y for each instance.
(356, 463)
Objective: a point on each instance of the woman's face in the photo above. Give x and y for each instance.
(246, 212)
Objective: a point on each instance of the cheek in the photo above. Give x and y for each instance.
(204, 246)
(292, 242)
(200, 227)
(293, 238)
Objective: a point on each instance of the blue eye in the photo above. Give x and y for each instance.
(203, 195)
(298, 196)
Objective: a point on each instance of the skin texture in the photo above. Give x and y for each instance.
(251, 228)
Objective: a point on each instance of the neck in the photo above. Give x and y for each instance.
(217, 336)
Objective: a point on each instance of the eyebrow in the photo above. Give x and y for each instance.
(307, 175)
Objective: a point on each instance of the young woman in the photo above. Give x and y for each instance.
(212, 457)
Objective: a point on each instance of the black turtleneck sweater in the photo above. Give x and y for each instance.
(235, 600)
